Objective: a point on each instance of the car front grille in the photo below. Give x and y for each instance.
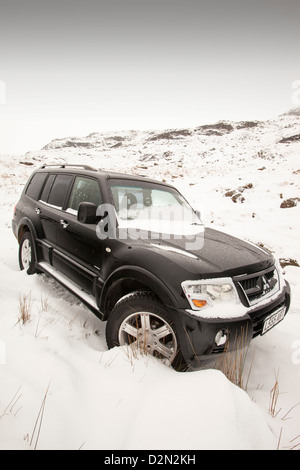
(259, 286)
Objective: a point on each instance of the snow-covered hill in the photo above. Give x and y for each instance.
(249, 169)
(245, 179)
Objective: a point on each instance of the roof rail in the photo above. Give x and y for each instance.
(64, 165)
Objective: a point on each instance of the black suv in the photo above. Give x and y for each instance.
(136, 253)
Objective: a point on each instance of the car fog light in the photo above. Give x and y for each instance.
(220, 338)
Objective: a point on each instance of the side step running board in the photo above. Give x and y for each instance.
(86, 298)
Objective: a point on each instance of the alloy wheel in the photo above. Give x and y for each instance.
(26, 254)
(150, 334)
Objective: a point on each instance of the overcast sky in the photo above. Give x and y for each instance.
(72, 67)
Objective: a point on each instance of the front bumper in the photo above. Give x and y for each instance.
(197, 335)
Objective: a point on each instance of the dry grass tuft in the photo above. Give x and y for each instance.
(232, 361)
(274, 394)
(11, 407)
(25, 305)
(38, 423)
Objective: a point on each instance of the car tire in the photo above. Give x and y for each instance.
(141, 321)
(27, 258)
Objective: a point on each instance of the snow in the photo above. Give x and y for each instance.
(60, 388)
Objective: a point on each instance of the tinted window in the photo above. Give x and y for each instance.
(34, 188)
(47, 188)
(59, 190)
(84, 190)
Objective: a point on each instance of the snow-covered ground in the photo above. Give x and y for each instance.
(60, 388)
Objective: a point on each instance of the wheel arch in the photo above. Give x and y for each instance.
(25, 225)
(128, 279)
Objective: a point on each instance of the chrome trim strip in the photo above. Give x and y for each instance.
(88, 298)
(244, 277)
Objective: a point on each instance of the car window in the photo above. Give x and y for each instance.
(35, 185)
(59, 190)
(47, 188)
(84, 190)
(145, 200)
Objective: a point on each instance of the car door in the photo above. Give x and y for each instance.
(50, 206)
(78, 247)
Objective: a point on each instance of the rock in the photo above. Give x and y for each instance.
(288, 262)
(236, 195)
(292, 138)
(220, 128)
(291, 202)
(247, 124)
(171, 134)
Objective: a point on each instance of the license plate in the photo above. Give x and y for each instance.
(273, 319)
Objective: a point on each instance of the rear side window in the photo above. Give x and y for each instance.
(35, 185)
(47, 188)
(57, 190)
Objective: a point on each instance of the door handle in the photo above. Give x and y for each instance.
(64, 223)
(38, 210)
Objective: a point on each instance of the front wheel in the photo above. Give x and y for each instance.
(26, 254)
(144, 324)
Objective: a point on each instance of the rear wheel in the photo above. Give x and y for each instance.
(26, 254)
(142, 322)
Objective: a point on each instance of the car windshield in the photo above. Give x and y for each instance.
(151, 206)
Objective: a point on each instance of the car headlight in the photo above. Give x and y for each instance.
(210, 293)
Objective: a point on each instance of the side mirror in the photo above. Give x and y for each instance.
(87, 213)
